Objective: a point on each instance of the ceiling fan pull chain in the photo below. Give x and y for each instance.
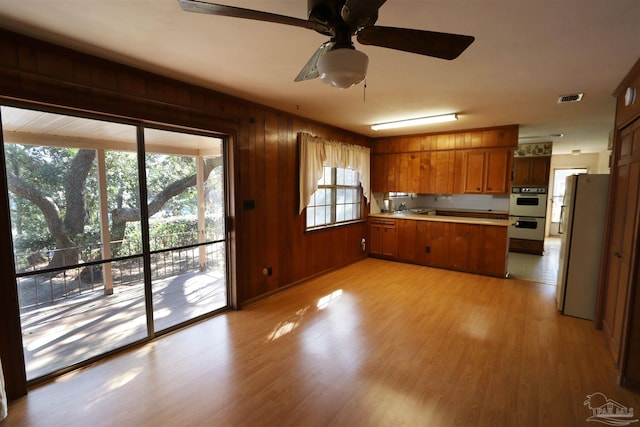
(364, 90)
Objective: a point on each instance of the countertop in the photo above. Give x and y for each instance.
(443, 218)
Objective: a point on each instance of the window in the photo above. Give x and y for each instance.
(337, 199)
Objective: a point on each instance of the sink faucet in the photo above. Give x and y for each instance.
(402, 206)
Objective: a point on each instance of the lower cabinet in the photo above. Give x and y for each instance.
(475, 248)
(383, 237)
(406, 235)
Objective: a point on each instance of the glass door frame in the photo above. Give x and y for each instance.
(146, 250)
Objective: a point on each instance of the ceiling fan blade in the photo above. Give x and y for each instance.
(238, 12)
(429, 43)
(310, 69)
(361, 13)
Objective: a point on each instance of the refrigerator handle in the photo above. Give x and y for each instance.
(561, 216)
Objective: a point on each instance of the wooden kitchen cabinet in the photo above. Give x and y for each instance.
(439, 244)
(479, 248)
(414, 172)
(487, 171)
(424, 186)
(432, 244)
(474, 172)
(395, 172)
(461, 237)
(383, 237)
(476, 248)
(406, 240)
(442, 172)
(531, 171)
(378, 173)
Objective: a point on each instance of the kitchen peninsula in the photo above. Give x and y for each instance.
(474, 244)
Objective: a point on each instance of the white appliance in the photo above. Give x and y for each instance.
(581, 227)
(528, 201)
(527, 210)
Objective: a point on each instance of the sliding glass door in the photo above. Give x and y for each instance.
(186, 228)
(95, 269)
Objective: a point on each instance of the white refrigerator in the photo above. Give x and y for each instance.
(581, 227)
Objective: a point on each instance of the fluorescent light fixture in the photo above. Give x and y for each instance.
(416, 122)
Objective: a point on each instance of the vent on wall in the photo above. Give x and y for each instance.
(574, 97)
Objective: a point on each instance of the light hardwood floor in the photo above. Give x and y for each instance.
(376, 343)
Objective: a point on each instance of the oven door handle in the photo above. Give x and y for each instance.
(561, 218)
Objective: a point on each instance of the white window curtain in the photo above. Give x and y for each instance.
(3, 396)
(315, 153)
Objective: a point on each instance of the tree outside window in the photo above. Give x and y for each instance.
(337, 200)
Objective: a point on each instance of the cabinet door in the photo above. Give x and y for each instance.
(474, 171)
(539, 170)
(402, 172)
(425, 172)
(378, 173)
(496, 169)
(423, 242)
(389, 240)
(521, 166)
(375, 238)
(531, 171)
(442, 169)
(406, 243)
(494, 249)
(439, 244)
(389, 172)
(413, 168)
(460, 241)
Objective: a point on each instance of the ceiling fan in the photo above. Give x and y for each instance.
(336, 61)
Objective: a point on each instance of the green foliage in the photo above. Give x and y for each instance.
(46, 168)
(162, 170)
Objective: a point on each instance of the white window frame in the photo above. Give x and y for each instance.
(324, 209)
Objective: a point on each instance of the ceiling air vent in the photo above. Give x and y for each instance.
(574, 97)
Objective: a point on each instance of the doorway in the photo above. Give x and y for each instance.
(557, 198)
(118, 233)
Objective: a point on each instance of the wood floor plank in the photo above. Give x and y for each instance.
(376, 343)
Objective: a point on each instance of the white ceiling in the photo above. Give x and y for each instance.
(526, 54)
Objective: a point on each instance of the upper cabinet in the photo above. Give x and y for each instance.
(475, 161)
(533, 171)
(487, 171)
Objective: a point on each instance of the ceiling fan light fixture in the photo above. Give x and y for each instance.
(343, 67)
(416, 122)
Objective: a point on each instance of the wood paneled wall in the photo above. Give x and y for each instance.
(498, 136)
(264, 166)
